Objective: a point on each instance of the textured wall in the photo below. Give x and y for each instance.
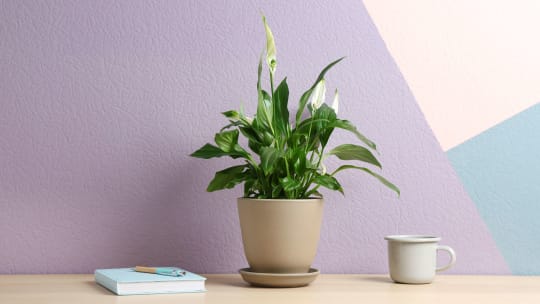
(101, 102)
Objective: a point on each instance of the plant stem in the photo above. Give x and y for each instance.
(287, 167)
(272, 85)
(276, 136)
(321, 156)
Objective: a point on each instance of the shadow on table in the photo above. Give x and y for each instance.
(98, 288)
(385, 280)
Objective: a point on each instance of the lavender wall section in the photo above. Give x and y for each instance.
(101, 102)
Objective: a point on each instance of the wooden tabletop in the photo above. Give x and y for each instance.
(327, 289)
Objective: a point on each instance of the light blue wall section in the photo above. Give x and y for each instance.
(500, 169)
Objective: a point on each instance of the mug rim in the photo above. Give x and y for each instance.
(412, 238)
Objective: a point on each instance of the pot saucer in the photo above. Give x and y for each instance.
(282, 280)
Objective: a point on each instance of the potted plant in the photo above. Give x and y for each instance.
(281, 209)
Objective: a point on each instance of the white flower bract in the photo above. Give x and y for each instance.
(335, 104)
(270, 48)
(318, 95)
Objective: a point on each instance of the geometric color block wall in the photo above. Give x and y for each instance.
(102, 102)
(473, 68)
(469, 64)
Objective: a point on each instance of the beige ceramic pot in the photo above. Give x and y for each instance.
(280, 235)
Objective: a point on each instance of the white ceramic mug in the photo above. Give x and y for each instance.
(413, 258)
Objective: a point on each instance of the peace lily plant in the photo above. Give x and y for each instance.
(286, 160)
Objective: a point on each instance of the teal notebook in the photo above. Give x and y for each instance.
(126, 281)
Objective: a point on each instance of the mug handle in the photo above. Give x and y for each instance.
(452, 257)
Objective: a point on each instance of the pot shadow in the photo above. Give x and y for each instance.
(243, 284)
(227, 282)
(385, 280)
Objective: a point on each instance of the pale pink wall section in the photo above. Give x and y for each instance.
(470, 64)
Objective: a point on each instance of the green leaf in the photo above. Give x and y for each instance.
(277, 191)
(303, 127)
(264, 111)
(329, 182)
(232, 124)
(299, 159)
(248, 185)
(290, 185)
(305, 97)
(228, 178)
(264, 133)
(209, 151)
(254, 141)
(227, 140)
(347, 125)
(259, 71)
(249, 133)
(324, 127)
(354, 152)
(254, 146)
(280, 112)
(237, 150)
(232, 115)
(377, 176)
(269, 157)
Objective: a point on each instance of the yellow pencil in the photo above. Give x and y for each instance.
(168, 271)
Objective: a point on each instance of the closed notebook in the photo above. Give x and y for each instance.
(126, 281)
